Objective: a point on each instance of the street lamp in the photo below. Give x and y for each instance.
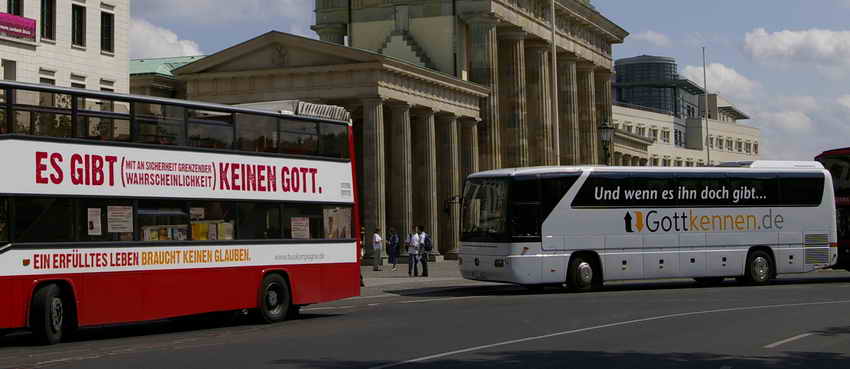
(606, 134)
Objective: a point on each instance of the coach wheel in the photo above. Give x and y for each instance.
(274, 299)
(49, 317)
(759, 267)
(581, 274)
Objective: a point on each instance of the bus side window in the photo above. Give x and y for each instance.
(4, 219)
(801, 189)
(552, 191)
(753, 189)
(525, 206)
(43, 219)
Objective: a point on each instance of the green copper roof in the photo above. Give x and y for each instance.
(160, 66)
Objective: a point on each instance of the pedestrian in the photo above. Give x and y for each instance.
(413, 254)
(393, 248)
(425, 248)
(377, 243)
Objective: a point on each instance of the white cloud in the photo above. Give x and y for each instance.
(844, 100)
(655, 38)
(150, 41)
(723, 80)
(290, 13)
(827, 50)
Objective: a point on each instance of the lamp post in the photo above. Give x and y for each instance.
(606, 134)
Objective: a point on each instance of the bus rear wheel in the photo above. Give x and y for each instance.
(581, 274)
(49, 318)
(759, 267)
(275, 299)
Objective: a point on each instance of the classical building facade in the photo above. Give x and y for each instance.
(438, 89)
(66, 43)
(526, 118)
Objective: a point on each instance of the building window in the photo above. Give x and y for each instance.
(15, 7)
(748, 147)
(729, 145)
(756, 148)
(48, 19)
(665, 136)
(107, 32)
(78, 85)
(739, 147)
(78, 25)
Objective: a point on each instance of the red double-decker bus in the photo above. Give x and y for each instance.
(837, 161)
(118, 208)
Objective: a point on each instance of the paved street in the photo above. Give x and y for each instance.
(445, 322)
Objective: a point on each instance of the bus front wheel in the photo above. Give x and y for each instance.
(581, 274)
(49, 318)
(759, 267)
(275, 300)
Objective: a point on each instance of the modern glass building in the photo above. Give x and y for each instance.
(654, 82)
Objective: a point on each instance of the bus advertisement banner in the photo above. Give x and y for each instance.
(71, 169)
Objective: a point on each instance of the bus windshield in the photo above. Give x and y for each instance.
(484, 210)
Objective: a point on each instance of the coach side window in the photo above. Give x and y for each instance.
(104, 220)
(297, 137)
(648, 189)
(602, 189)
(525, 207)
(259, 221)
(210, 129)
(42, 113)
(212, 221)
(3, 124)
(303, 222)
(553, 188)
(43, 219)
(257, 133)
(160, 124)
(801, 189)
(700, 189)
(753, 189)
(4, 220)
(333, 140)
(163, 220)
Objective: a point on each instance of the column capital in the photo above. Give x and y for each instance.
(396, 105)
(585, 66)
(568, 57)
(425, 111)
(375, 100)
(468, 121)
(514, 33)
(602, 71)
(485, 18)
(538, 44)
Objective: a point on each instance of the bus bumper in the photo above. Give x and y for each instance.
(508, 269)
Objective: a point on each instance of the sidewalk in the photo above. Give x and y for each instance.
(440, 275)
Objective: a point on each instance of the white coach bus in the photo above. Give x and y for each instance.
(586, 225)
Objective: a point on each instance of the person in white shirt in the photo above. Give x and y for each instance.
(413, 254)
(424, 252)
(377, 243)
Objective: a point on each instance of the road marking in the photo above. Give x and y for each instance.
(598, 327)
(777, 343)
(329, 308)
(372, 297)
(440, 299)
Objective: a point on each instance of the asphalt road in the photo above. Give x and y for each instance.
(798, 322)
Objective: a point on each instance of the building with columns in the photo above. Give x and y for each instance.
(438, 89)
(543, 104)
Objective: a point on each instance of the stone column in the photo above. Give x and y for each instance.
(485, 71)
(588, 133)
(512, 96)
(468, 132)
(331, 33)
(450, 185)
(539, 102)
(568, 108)
(602, 85)
(373, 199)
(401, 169)
(425, 173)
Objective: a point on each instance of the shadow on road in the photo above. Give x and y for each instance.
(599, 359)
(203, 324)
(507, 289)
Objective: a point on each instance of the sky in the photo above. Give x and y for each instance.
(785, 63)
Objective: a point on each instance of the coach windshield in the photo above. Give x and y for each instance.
(484, 210)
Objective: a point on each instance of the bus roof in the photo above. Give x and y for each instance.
(738, 166)
(835, 152)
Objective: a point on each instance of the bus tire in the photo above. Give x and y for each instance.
(275, 300)
(581, 274)
(759, 268)
(49, 315)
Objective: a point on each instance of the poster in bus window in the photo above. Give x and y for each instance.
(337, 223)
(119, 219)
(197, 213)
(93, 224)
(300, 227)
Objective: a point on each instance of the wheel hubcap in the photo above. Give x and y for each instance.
(585, 273)
(273, 299)
(57, 312)
(761, 268)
